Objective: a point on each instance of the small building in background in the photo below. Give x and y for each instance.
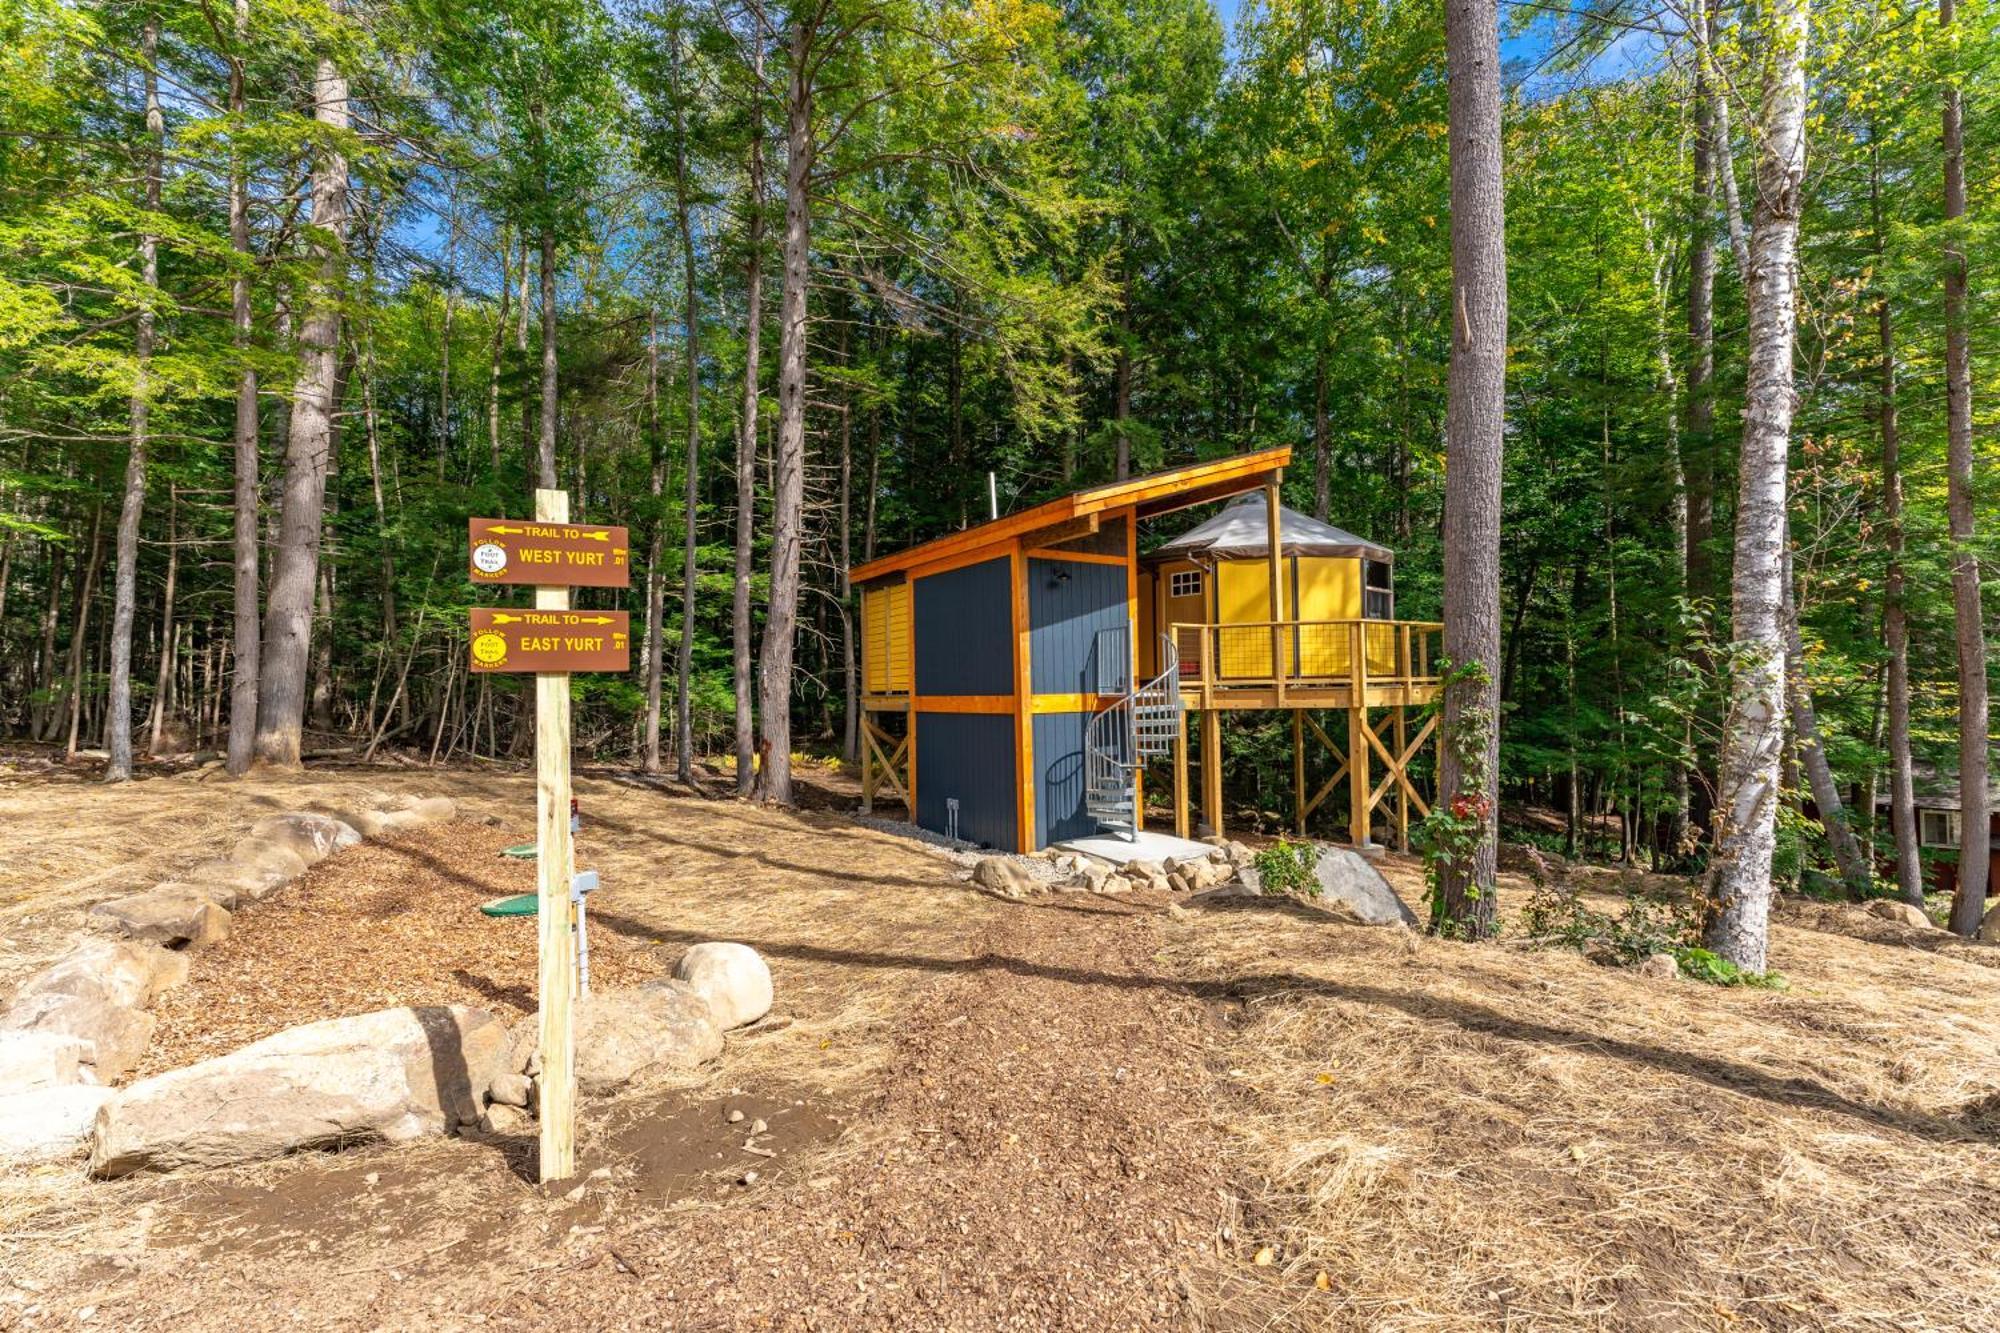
(1939, 827)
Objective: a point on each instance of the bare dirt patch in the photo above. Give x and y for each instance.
(380, 925)
(1081, 1113)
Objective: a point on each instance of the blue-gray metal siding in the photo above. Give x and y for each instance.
(969, 756)
(1069, 603)
(962, 622)
(1059, 814)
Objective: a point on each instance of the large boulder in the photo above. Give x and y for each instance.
(48, 1124)
(392, 1075)
(96, 994)
(1989, 929)
(732, 978)
(167, 916)
(1352, 887)
(1004, 876)
(410, 813)
(268, 858)
(1902, 913)
(44, 1060)
(313, 836)
(232, 882)
(626, 1032)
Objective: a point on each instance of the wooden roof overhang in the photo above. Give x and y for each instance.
(1075, 515)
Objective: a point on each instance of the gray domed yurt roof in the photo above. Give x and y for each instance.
(1241, 532)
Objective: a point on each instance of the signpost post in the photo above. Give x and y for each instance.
(552, 641)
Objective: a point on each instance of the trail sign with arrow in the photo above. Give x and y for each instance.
(542, 640)
(579, 555)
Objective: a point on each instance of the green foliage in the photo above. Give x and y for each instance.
(1287, 868)
(1703, 965)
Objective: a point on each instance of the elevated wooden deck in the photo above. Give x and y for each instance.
(1308, 664)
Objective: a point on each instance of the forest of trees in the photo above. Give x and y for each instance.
(289, 290)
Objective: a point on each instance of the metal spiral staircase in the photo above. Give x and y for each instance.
(1118, 741)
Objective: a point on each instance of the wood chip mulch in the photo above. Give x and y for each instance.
(387, 923)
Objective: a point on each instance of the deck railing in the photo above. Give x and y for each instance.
(1311, 653)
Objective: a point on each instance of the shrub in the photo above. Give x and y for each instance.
(1287, 867)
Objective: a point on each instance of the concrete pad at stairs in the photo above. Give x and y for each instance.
(394, 1075)
(1120, 851)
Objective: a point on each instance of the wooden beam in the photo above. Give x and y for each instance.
(964, 703)
(555, 916)
(1057, 533)
(1357, 777)
(1298, 772)
(1181, 774)
(1024, 719)
(1211, 770)
(1275, 545)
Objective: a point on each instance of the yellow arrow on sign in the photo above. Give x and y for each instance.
(501, 618)
(595, 620)
(599, 536)
(511, 532)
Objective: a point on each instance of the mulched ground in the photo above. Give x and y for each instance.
(1042, 1160)
(387, 923)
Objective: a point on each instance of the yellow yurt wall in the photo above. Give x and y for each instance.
(885, 639)
(1243, 597)
(1329, 589)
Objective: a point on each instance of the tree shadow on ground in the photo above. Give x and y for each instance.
(1732, 1076)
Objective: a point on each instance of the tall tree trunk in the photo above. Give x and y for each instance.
(1698, 456)
(308, 450)
(1322, 441)
(163, 680)
(1122, 401)
(1895, 613)
(656, 584)
(132, 512)
(1855, 873)
(245, 648)
(80, 634)
(1477, 387)
(1968, 904)
(690, 490)
(41, 717)
(746, 434)
(850, 712)
(545, 440)
(493, 390)
(774, 779)
(1753, 734)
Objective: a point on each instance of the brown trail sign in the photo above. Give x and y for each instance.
(578, 555)
(565, 641)
(552, 641)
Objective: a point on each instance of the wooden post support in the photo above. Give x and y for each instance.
(556, 922)
(1403, 783)
(1180, 774)
(1298, 772)
(1273, 511)
(1211, 769)
(1357, 776)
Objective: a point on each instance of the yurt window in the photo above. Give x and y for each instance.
(1381, 595)
(1184, 583)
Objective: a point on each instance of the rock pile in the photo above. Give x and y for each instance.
(82, 1024)
(388, 1076)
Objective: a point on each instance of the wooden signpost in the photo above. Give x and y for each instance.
(551, 641)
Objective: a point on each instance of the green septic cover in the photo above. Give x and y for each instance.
(524, 851)
(520, 904)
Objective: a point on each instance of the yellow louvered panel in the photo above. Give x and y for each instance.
(885, 639)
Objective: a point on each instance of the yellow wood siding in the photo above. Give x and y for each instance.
(1329, 589)
(885, 638)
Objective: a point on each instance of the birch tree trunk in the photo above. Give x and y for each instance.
(125, 582)
(1476, 387)
(308, 448)
(746, 435)
(245, 648)
(774, 778)
(1968, 904)
(1753, 735)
